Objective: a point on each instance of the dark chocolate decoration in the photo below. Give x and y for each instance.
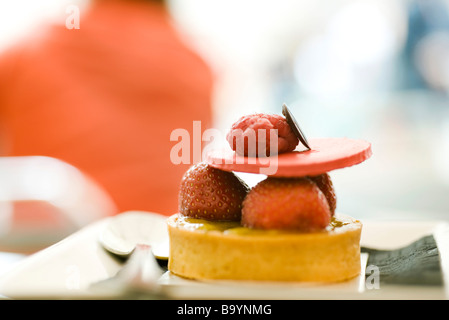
(295, 126)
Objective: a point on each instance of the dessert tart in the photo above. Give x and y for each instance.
(283, 229)
(204, 250)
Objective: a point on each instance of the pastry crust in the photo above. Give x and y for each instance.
(207, 250)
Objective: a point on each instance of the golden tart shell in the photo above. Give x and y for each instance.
(206, 250)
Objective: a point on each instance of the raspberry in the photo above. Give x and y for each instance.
(246, 131)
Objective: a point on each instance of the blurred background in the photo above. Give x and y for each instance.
(365, 69)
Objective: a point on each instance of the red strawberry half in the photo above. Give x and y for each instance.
(212, 194)
(287, 204)
(324, 182)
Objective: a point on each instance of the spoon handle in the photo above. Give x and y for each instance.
(141, 269)
(140, 274)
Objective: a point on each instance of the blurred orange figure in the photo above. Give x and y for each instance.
(105, 98)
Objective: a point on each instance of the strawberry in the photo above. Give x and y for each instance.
(211, 194)
(287, 204)
(324, 182)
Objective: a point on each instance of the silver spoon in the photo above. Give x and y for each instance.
(140, 238)
(126, 230)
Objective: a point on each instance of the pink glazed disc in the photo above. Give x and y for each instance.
(326, 154)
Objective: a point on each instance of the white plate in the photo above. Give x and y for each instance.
(67, 269)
